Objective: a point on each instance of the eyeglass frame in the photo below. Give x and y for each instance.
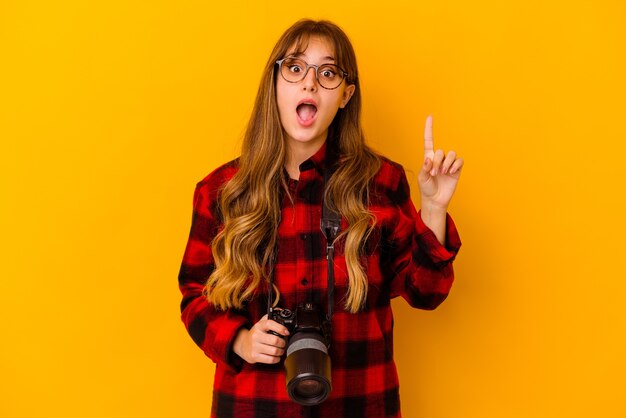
(344, 74)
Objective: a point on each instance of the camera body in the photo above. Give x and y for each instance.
(307, 363)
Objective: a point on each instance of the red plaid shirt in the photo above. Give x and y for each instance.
(404, 258)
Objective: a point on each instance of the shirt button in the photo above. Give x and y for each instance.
(304, 236)
(304, 282)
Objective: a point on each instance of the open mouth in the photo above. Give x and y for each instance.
(306, 112)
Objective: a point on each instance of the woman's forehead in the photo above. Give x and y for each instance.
(302, 45)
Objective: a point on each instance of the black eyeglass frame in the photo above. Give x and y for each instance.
(344, 74)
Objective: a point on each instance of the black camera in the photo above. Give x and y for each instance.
(307, 363)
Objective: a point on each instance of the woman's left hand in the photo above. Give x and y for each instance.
(439, 174)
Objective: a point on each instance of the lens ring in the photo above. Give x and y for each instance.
(309, 389)
(306, 341)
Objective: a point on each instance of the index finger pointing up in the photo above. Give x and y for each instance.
(429, 148)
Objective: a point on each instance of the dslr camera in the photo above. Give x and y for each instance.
(307, 363)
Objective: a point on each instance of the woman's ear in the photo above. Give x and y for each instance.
(347, 94)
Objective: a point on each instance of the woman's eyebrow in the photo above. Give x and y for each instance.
(303, 55)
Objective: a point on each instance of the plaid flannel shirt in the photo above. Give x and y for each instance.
(403, 258)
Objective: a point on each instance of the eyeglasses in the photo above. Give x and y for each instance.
(294, 70)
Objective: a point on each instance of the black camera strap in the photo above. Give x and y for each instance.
(330, 225)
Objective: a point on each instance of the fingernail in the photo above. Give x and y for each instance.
(432, 172)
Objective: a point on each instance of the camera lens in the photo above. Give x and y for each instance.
(308, 369)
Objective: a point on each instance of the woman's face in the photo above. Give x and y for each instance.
(307, 109)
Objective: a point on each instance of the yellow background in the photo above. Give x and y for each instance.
(111, 111)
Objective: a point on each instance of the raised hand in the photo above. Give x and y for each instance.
(439, 174)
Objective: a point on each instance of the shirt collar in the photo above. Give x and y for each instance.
(315, 161)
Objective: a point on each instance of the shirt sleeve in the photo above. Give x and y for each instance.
(422, 270)
(211, 329)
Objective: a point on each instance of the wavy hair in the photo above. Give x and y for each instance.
(250, 202)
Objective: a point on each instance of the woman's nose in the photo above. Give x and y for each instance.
(310, 80)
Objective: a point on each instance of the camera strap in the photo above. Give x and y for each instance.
(330, 225)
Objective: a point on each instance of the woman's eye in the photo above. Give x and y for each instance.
(327, 73)
(295, 68)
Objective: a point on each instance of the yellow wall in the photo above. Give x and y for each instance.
(112, 110)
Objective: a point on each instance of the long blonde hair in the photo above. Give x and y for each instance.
(250, 202)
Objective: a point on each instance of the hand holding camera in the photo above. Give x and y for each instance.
(307, 363)
(258, 345)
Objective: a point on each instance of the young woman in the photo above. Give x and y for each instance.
(256, 221)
